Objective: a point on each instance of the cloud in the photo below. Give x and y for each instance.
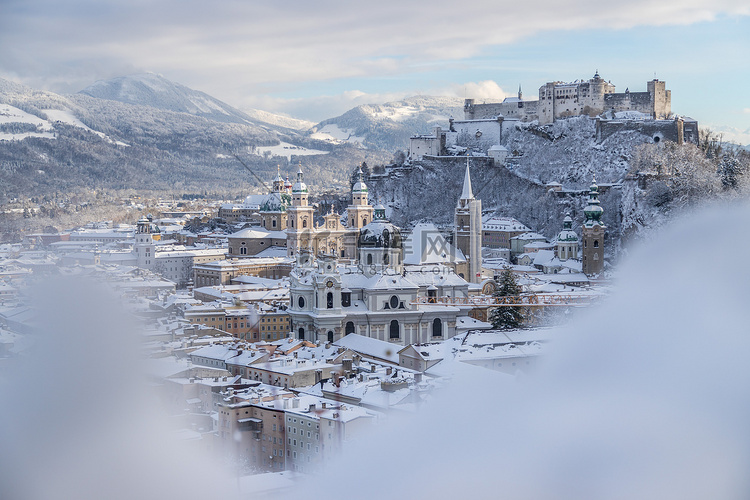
(731, 134)
(239, 47)
(484, 90)
(320, 107)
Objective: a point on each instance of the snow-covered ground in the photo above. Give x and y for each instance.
(10, 114)
(45, 128)
(289, 150)
(333, 133)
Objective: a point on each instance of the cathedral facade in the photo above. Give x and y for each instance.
(368, 289)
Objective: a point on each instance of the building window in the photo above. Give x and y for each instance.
(437, 328)
(596, 243)
(301, 302)
(369, 259)
(304, 223)
(346, 299)
(395, 331)
(330, 336)
(329, 300)
(273, 223)
(349, 328)
(301, 333)
(394, 302)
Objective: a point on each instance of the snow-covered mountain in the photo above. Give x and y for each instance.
(276, 120)
(150, 89)
(388, 126)
(51, 142)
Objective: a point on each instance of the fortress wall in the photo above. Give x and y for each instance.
(658, 130)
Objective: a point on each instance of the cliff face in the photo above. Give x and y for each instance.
(430, 190)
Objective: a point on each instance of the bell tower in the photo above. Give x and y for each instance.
(299, 218)
(144, 244)
(593, 234)
(467, 235)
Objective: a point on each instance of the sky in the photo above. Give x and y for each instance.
(315, 60)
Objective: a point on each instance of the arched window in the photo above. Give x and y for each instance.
(304, 223)
(329, 300)
(230, 249)
(437, 328)
(596, 256)
(292, 220)
(394, 330)
(364, 221)
(369, 259)
(301, 333)
(330, 336)
(596, 243)
(273, 223)
(349, 328)
(264, 222)
(243, 250)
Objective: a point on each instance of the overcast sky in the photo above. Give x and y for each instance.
(314, 60)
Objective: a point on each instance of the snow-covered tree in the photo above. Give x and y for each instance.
(507, 317)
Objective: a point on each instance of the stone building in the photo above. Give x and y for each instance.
(583, 97)
(510, 107)
(498, 231)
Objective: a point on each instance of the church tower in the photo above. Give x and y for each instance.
(273, 209)
(593, 234)
(358, 214)
(566, 244)
(467, 235)
(299, 218)
(144, 244)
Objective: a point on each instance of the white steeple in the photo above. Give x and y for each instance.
(466, 194)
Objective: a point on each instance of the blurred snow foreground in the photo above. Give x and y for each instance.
(645, 398)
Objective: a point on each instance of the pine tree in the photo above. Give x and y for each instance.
(507, 317)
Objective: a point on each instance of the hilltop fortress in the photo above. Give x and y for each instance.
(590, 98)
(484, 125)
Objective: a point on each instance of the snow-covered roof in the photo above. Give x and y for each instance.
(425, 245)
(368, 346)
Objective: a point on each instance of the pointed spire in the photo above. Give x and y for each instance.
(467, 194)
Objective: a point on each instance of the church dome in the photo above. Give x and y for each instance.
(567, 235)
(275, 202)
